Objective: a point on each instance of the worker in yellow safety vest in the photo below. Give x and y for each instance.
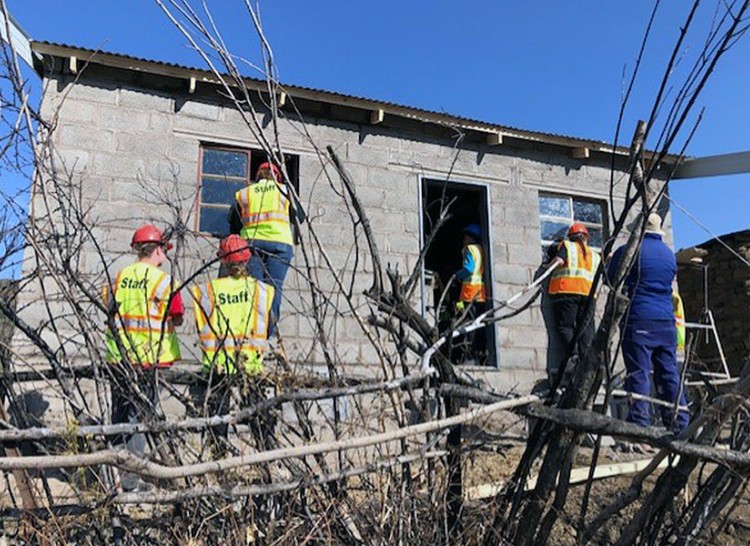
(232, 315)
(570, 288)
(143, 310)
(472, 298)
(261, 215)
(679, 319)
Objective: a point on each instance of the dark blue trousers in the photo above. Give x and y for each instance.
(651, 345)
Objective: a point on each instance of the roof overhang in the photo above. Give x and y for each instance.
(379, 111)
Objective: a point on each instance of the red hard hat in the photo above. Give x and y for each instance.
(150, 234)
(272, 167)
(233, 249)
(578, 228)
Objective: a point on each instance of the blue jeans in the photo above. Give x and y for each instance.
(647, 345)
(269, 263)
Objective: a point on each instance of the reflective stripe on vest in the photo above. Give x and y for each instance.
(576, 275)
(232, 317)
(265, 212)
(138, 300)
(472, 288)
(679, 319)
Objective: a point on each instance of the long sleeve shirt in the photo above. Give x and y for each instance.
(649, 283)
(468, 266)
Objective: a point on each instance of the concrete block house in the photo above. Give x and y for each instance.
(137, 133)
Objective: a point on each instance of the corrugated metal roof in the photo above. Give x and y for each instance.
(102, 57)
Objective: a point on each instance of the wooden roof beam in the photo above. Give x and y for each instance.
(715, 165)
(377, 116)
(494, 139)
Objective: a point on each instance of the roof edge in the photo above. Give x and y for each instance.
(580, 147)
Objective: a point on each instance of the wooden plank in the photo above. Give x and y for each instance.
(28, 499)
(18, 38)
(494, 139)
(577, 475)
(192, 84)
(715, 165)
(377, 116)
(580, 153)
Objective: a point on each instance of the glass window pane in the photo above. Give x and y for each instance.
(219, 191)
(215, 220)
(596, 237)
(224, 162)
(554, 231)
(554, 206)
(584, 211)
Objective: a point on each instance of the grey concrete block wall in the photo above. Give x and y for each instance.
(134, 149)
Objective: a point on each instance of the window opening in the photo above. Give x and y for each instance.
(223, 172)
(558, 212)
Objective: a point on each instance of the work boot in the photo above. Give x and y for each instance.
(541, 387)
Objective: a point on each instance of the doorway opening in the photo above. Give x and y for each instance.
(465, 204)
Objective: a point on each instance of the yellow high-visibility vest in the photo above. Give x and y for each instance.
(232, 316)
(576, 276)
(472, 288)
(679, 319)
(139, 302)
(265, 212)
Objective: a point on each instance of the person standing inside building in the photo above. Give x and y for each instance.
(570, 290)
(143, 311)
(261, 216)
(472, 298)
(232, 315)
(649, 338)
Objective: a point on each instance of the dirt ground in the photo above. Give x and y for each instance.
(485, 468)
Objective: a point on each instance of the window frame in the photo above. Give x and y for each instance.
(546, 243)
(494, 360)
(251, 154)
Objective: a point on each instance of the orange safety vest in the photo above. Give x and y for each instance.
(472, 288)
(138, 300)
(576, 275)
(265, 212)
(232, 317)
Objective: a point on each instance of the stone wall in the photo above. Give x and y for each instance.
(133, 141)
(728, 299)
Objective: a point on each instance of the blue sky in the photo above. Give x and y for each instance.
(540, 64)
